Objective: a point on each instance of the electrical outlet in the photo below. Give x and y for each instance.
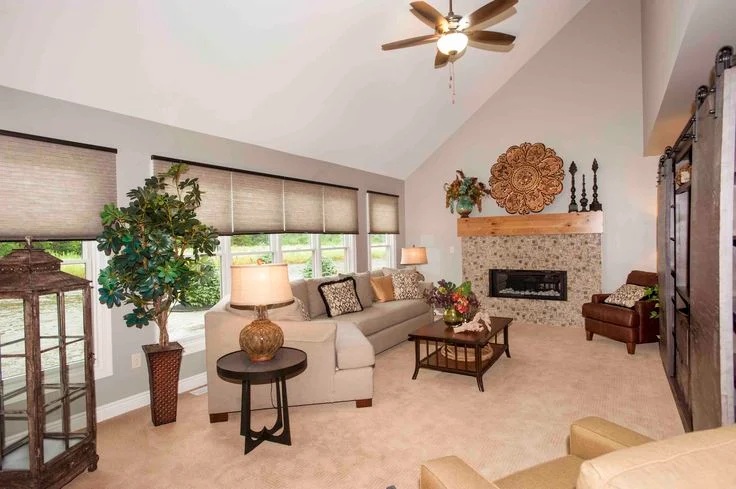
(135, 360)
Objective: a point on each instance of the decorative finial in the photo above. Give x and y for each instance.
(595, 205)
(29, 244)
(573, 207)
(583, 199)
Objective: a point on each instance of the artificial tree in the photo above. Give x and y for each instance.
(155, 244)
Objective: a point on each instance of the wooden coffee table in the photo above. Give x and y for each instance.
(460, 353)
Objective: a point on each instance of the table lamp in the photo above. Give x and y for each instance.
(414, 255)
(258, 287)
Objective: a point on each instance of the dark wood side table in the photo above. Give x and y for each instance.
(463, 353)
(237, 367)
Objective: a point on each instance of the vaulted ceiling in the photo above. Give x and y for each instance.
(305, 77)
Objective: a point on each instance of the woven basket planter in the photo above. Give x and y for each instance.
(163, 378)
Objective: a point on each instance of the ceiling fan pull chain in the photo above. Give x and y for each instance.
(452, 81)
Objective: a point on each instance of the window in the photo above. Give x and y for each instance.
(334, 252)
(382, 250)
(80, 258)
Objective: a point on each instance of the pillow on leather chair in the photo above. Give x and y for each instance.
(627, 295)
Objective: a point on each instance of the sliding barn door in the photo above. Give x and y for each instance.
(711, 261)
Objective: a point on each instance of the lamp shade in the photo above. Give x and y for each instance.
(416, 255)
(260, 285)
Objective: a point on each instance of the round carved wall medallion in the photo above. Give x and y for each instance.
(526, 178)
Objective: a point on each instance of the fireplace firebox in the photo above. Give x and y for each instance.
(548, 285)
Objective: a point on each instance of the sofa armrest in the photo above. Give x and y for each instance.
(599, 298)
(593, 436)
(644, 308)
(451, 473)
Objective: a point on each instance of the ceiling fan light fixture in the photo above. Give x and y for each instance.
(452, 43)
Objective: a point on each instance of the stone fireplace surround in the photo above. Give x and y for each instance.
(578, 254)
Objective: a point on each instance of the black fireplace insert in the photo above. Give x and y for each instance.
(550, 285)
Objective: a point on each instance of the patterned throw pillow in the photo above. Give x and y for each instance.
(406, 285)
(627, 295)
(340, 297)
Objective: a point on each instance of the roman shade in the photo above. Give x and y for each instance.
(258, 204)
(245, 202)
(52, 189)
(383, 213)
(341, 210)
(303, 207)
(215, 185)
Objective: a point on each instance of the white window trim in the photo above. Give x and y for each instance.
(101, 314)
(390, 248)
(195, 343)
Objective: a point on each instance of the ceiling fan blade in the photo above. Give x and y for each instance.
(440, 59)
(490, 10)
(412, 41)
(493, 38)
(429, 15)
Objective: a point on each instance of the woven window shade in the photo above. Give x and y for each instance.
(383, 213)
(53, 191)
(216, 208)
(303, 207)
(258, 204)
(341, 210)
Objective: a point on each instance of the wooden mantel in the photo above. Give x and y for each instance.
(531, 224)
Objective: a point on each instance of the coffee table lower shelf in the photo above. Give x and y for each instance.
(473, 368)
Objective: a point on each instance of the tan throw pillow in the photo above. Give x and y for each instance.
(383, 289)
(406, 285)
(340, 297)
(627, 295)
(362, 286)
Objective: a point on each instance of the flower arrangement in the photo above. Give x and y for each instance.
(458, 299)
(464, 193)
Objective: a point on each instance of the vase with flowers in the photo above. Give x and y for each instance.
(458, 301)
(464, 193)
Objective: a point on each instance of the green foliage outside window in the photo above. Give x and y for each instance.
(328, 268)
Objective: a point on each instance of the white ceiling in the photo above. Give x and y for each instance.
(305, 77)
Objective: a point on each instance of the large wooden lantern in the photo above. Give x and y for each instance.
(47, 397)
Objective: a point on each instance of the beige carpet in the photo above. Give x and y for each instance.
(553, 377)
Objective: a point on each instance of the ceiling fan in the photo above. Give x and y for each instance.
(453, 32)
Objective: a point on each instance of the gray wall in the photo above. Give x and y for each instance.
(136, 140)
(580, 95)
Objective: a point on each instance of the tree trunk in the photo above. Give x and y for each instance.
(162, 320)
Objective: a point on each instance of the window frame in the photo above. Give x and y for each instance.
(390, 247)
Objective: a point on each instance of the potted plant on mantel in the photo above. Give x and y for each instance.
(155, 243)
(464, 193)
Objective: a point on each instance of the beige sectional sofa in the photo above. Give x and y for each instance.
(340, 351)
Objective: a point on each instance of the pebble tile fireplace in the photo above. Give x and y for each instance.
(548, 285)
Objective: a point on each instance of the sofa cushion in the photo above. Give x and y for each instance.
(340, 297)
(363, 286)
(385, 314)
(607, 313)
(353, 349)
(316, 304)
(299, 289)
(383, 288)
(702, 459)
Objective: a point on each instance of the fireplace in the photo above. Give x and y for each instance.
(548, 285)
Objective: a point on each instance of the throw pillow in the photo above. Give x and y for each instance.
(340, 297)
(291, 312)
(409, 268)
(627, 295)
(406, 285)
(383, 289)
(363, 286)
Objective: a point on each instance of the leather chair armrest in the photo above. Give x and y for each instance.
(451, 473)
(644, 308)
(599, 298)
(593, 436)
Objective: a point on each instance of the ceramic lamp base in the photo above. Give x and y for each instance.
(261, 339)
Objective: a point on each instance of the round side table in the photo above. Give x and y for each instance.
(237, 367)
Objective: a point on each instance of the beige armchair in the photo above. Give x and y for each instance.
(604, 455)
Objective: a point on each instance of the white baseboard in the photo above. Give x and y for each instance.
(142, 399)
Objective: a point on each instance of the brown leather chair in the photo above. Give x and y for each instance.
(632, 326)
